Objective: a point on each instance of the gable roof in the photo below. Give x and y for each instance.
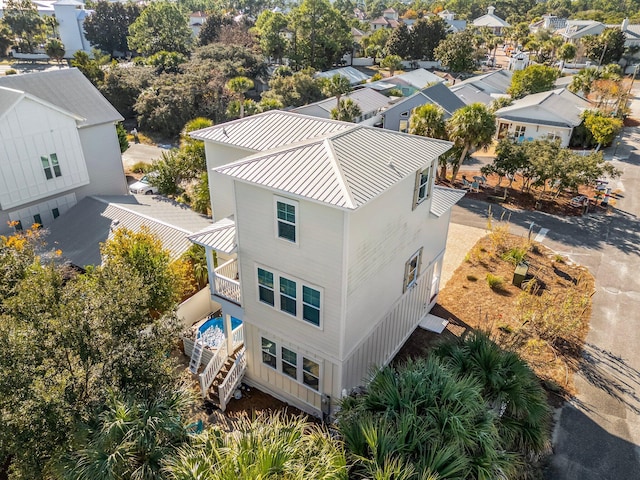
(269, 130)
(437, 94)
(10, 97)
(221, 236)
(490, 20)
(354, 75)
(498, 81)
(79, 232)
(367, 99)
(418, 78)
(469, 94)
(345, 169)
(69, 90)
(563, 106)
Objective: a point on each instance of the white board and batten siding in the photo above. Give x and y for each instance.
(390, 333)
(27, 132)
(316, 260)
(280, 385)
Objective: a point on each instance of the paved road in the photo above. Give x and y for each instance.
(597, 434)
(139, 152)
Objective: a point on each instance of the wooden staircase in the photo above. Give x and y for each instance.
(221, 377)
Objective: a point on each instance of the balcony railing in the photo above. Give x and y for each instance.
(226, 281)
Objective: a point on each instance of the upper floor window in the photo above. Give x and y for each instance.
(288, 301)
(265, 287)
(423, 186)
(286, 219)
(51, 166)
(412, 270)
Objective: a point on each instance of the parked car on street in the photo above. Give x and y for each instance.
(144, 186)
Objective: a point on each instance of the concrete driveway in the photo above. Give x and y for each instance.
(139, 152)
(597, 434)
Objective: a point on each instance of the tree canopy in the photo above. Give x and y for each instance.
(107, 28)
(160, 26)
(457, 52)
(22, 17)
(533, 79)
(605, 48)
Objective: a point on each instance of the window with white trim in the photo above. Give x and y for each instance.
(51, 166)
(422, 186)
(412, 270)
(295, 297)
(286, 219)
(519, 131)
(290, 363)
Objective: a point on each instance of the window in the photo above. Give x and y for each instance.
(17, 225)
(286, 219)
(48, 163)
(412, 270)
(289, 363)
(295, 297)
(265, 287)
(37, 219)
(298, 367)
(423, 186)
(55, 212)
(310, 373)
(288, 296)
(520, 131)
(404, 126)
(269, 353)
(311, 305)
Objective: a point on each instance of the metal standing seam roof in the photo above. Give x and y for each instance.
(69, 90)
(346, 169)
(354, 75)
(443, 199)
(270, 130)
(367, 99)
(220, 236)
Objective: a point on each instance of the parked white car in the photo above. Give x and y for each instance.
(143, 186)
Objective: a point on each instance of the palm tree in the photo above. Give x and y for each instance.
(336, 86)
(470, 127)
(583, 80)
(267, 447)
(392, 62)
(428, 121)
(55, 49)
(130, 438)
(566, 52)
(239, 86)
(347, 111)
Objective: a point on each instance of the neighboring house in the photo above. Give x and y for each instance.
(398, 116)
(519, 61)
(552, 114)
(548, 22)
(494, 83)
(454, 25)
(58, 145)
(95, 219)
(196, 21)
(491, 21)
(408, 82)
(355, 76)
(333, 236)
(370, 102)
(389, 19)
(468, 93)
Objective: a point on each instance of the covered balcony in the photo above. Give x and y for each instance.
(227, 281)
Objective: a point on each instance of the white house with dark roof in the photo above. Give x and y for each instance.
(491, 21)
(330, 238)
(553, 114)
(58, 144)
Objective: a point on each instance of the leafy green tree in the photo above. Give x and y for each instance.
(268, 447)
(603, 128)
(122, 86)
(375, 44)
(166, 62)
(130, 437)
(533, 79)
(499, 103)
(231, 60)
(336, 86)
(392, 63)
(608, 47)
(399, 42)
(320, 35)
(6, 38)
(426, 35)
(346, 111)
(160, 26)
(294, 90)
(510, 159)
(122, 137)
(239, 86)
(55, 49)
(583, 80)
(26, 24)
(88, 66)
(210, 31)
(201, 200)
(457, 52)
(108, 26)
(567, 52)
(269, 28)
(470, 127)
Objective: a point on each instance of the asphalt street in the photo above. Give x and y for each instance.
(597, 433)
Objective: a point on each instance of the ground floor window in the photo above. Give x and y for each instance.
(291, 363)
(269, 353)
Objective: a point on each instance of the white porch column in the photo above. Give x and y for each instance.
(210, 269)
(228, 333)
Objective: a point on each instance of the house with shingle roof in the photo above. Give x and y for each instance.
(58, 144)
(329, 238)
(370, 102)
(491, 21)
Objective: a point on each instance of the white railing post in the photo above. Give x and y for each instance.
(228, 334)
(238, 336)
(212, 369)
(226, 389)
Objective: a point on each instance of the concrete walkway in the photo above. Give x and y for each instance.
(461, 239)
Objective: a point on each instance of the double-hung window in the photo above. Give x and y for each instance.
(286, 219)
(291, 363)
(51, 166)
(412, 270)
(423, 186)
(294, 297)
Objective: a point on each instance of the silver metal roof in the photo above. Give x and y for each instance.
(79, 232)
(269, 130)
(354, 75)
(69, 90)
(369, 101)
(565, 107)
(443, 199)
(346, 169)
(221, 236)
(8, 98)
